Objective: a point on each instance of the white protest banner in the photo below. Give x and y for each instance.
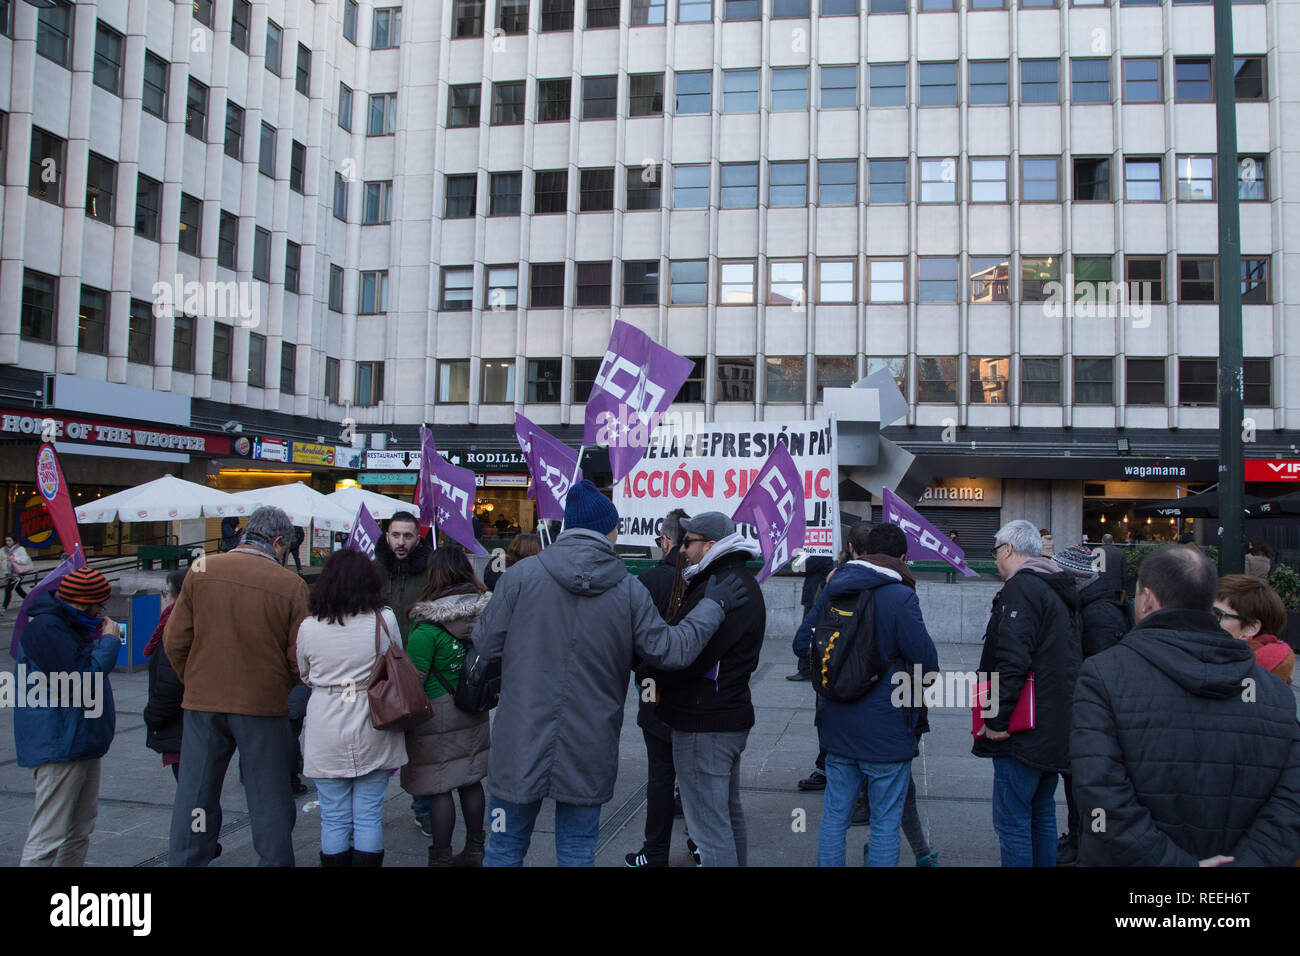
(710, 467)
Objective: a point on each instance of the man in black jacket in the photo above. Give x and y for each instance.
(1184, 749)
(1034, 629)
(707, 705)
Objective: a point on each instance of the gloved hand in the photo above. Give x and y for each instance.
(728, 592)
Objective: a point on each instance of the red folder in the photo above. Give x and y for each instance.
(1022, 718)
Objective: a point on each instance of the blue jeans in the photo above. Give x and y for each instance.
(886, 792)
(576, 829)
(351, 812)
(1024, 813)
(421, 804)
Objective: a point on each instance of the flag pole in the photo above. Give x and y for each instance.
(576, 468)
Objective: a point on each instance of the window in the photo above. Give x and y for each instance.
(183, 339)
(457, 289)
(1142, 180)
(274, 43)
(542, 381)
(512, 17)
(1257, 375)
(837, 182)
(738, 282)
(1196, 279)
(1145, 381)
(288, 368)
(692, 389)
(735, 379)
(222, 346)
(467, 19)
(40, 300)
(340, 197)
(266, 151)
(648, 12)
(453, 382)
(550, 191)
(886, 280)
(643, 189)
(108, 59)
(234, 146)
(1249, 81)
(646, 94)
(929, 6)
(988, 82)
(602, 13)
(374, 293)
(688, 282)
(834, 371)
(377, 203)
(387, 31)
(785, 282)
(1142, 81)
(139, 336)
(593, 283)
(332, 380)
(370, 383)
(1039, 81)
(938, 180)
(988, 180)
(381, 118)
(1094, 381)
(888, 180)
(553, 98)
(1254, 282)
(256, 360)
(241, 16)
(1036, 274)
(460, 195)
(1195, 178)
(297, 166)
(261, 254)
(292, 265)
(938, 84)
(1092, 180)
(788, 184)
(92, 321)
(1090, 81)
(1198, 381)
(546, 285)
(936, 380)
(1145, 275)
(498, 382)
(585, 371)
(336, 288)
(936, 279)
(694, 11)
(203, 12)
(1093, 276)
(987, 380)
(345, 107)
(557, 15)
(839, 86)
(196, 110)
(641, 283)
(191, 224)
(888, 84)
(502, 287)
(148, 200)
(596, 189)
(691, 187)
(740, 91)
(789, 87)
(1040, 180)
(785, 380)
(504, 191)
(302, 77)
(1040, 381)
(836, 280)
(599, 96)
(462, 106)
(789, 9)
(693, 92)
(101, 184)
(839, 8)
(227, 240)
(739, 185)
(154, 98)
(1192, 80)
(507, 103)
(54, 31)
(990, 278)
(1252, 178)
(350, 21)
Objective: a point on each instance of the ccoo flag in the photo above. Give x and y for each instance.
(365, 533)
(551, 463)
(452, 498)
(774, 505)
(924, 540)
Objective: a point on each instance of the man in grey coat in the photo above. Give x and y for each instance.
(567, 627)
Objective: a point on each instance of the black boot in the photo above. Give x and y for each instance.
(440, 856)
(336, 859)
(803, 672)
(367, 860)
(473, 853)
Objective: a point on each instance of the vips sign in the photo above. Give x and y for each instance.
(712, 467)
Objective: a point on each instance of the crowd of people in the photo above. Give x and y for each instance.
(1162, 703)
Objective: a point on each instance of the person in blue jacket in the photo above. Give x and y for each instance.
(871, 737)
(68, 648)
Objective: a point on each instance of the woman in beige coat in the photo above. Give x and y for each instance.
(350, 761)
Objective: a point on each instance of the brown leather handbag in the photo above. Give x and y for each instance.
(397, 697)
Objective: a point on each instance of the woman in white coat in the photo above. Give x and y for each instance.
(14, 563)
(350, 761)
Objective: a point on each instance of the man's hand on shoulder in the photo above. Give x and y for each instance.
(728, 592)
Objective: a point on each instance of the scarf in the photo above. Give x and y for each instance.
(156, 638)
(732, 542)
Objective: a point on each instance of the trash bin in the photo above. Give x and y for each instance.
(138, 613)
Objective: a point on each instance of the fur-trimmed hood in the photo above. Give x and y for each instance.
(450, 607)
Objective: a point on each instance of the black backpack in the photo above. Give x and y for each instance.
(844, 660)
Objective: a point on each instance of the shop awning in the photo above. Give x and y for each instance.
(1202, 505)
(164, 499)
(1286, 505)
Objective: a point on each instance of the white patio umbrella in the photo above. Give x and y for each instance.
(164, 499)
(381, 507)
(304, 505)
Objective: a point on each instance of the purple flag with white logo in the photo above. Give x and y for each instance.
(637, 381)
(453, 499)
(774, 505)
(924, 540)
(424, 483)
(551, 463)
(365, 532)
(47, 583)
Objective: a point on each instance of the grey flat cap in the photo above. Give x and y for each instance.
(711, 525)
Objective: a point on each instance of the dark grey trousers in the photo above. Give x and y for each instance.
(266, 756)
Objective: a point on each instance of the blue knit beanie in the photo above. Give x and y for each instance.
(586, 507)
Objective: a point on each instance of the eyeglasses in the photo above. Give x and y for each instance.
(688, 541)
(999, 548)
(1221, 614)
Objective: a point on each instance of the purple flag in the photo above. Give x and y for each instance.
(47, 583)
(452, 498)
(365, 532)
(636, 382)
(424, 483)
(774, 505)
(551, 463)
(924, 540)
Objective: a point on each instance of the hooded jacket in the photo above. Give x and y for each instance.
(567, 626)
(162, 715)
(1035, 626)
(1105, 618)
(1187, 747)
(406, 578)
